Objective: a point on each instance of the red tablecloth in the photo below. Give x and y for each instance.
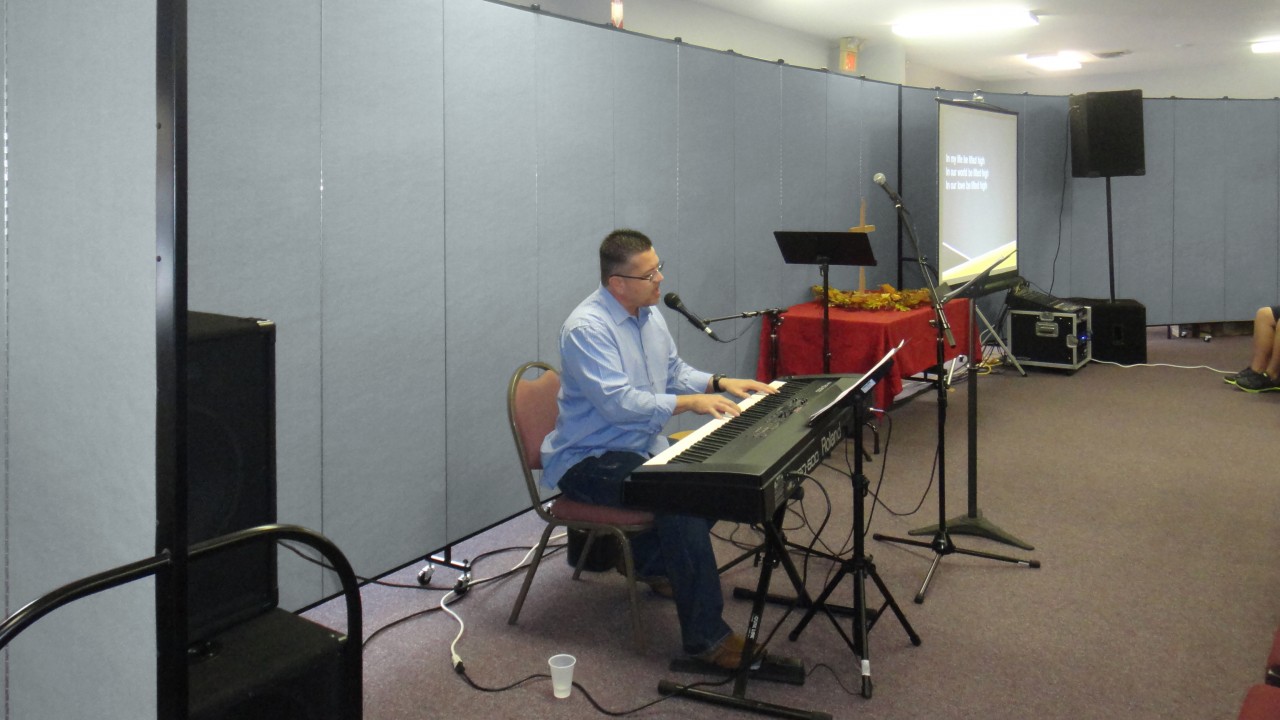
(858, 339)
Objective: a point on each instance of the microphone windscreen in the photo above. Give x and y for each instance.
(672, 300)
(879, 179)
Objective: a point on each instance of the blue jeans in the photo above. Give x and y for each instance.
(679, 548)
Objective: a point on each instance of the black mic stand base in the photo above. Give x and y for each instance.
(941, 546)
(978, 526)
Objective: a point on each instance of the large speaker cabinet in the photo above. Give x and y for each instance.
(231, 480)
(1107, 134)
(276, 666)
(1118, 330)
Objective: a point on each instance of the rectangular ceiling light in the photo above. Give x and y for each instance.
(1055, 62)
(1266, 46)
(964, 22)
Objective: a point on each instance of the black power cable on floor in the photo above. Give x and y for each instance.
(462, 672)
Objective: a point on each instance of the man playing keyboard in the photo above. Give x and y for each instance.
(621, 381)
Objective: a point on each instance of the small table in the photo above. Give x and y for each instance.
(858, 339)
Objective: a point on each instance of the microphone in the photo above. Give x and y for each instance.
(880, 180)
(673, 301)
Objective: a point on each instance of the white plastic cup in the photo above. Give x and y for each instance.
(562, 674)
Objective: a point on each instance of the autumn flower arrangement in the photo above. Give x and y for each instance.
(886, 297)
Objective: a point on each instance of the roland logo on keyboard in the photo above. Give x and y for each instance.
(825, 444)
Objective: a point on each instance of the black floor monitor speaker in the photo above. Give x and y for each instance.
(1119, 330)
(1107, 134)
(276, 666)
(231, 481)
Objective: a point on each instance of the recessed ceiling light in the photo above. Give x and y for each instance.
(1055, 62)
(964, 22)
(1267, 46)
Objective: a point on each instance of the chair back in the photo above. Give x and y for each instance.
(532, 409)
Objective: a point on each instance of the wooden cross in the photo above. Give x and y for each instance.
(862, 227)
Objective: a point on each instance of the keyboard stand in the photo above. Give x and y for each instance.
(775, 552)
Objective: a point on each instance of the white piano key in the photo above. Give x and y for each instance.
(707, 428)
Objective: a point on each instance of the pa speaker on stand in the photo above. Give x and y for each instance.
(1107, 134)
(1107, 141)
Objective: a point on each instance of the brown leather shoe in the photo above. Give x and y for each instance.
(728, 654)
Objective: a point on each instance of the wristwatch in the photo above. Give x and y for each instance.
(715, 382)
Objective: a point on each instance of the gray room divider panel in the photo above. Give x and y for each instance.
(465, 195)
(917, 177)
(803, 173)
(491, 249)
(645, 104)
(1251, 225)
(1144, 220)
(1086, 253)
(646, 114)
(1199, 234)
(877, 128)
(845, 178)
(1043, 165)
(384, 299)
(80, 344)
(575, 125)
(700, 267)
(757, 208)
(254, 220)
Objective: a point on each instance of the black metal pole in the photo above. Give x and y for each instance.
(171, 322)
(826, 317)
(1111, 252)
(973, 522)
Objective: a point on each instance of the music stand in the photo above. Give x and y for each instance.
(860, 565)
(825, 249)
(942, 544)
(973, 522)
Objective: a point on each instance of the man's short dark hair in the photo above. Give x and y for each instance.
(618, 248)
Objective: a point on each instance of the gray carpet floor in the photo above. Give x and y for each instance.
(1149, 494)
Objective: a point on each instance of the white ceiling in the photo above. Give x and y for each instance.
(1157, 35)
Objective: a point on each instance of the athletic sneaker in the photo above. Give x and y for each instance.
(1232, 379)
(1256, 382)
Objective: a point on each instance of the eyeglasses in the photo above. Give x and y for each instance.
(648, 277)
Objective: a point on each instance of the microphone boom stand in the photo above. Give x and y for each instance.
(774, 318)
(941, 544)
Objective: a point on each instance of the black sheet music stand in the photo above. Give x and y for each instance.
(860, 566)
(973, 522)
(825, 249)
(942, 544)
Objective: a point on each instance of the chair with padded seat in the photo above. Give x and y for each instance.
(1261, 702)
(532, 409)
